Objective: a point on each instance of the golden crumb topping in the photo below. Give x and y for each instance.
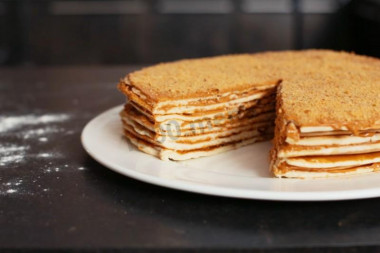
(341, 90)
(201, 77)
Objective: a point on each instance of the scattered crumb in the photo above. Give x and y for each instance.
(18, 182)
(43, 139)
(45, 155)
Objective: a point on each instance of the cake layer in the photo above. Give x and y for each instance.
(319, 162)
(233, 102)
(294, 133)
(296, 151)
(197, 102)
(201, 78)
(262, 102)
(216, 99)
(333, 140)
(206, 124)
(289, 171)
(196, 133)
(321, 130)
(188, 143)
(252, 116)
(177, 155)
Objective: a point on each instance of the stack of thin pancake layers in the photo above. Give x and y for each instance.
(198, 126)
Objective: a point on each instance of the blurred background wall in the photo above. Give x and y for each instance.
(147, 31)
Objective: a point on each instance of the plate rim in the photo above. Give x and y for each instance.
(220, 191)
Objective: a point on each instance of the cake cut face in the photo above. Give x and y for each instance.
(322, 106)
(192, 108)
(328, 123)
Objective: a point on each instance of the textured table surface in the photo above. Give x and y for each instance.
(54, 196)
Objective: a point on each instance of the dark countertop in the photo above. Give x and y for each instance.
(54, 196)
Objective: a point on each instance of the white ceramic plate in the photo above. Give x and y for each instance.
(242, 173)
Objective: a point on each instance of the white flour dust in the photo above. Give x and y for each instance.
(26, 140)
(43, 139)
(9, 123)
(26, 129)
(12, 154)
(33, 185)
(45, 155)
(40, 132)
(11, 187)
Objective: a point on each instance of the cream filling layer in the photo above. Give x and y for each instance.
(334, 161)
(173, 124)
(334, 150)
(161, 113)
(170, 143)
(167, 154)
(333, 140)
(322, 174)
(316, 129)
(159, 107)
(178, 135)
(238, 109)
(214, 129)
(202, 126)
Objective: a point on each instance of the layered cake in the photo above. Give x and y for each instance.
(325, 107)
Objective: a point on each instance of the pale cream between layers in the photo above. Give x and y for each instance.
(201, 103)
(194, 134)
(315, 162)
(203, 125)
(333, 140)
(201, 144)
(177, 155)
(190, 128)
(328, 174)
(327, 152)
